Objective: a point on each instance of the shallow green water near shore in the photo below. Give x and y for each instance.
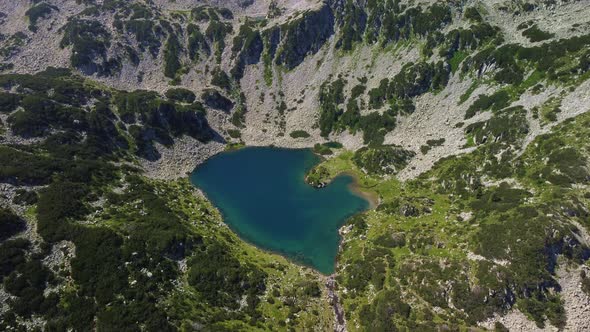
(263, 197)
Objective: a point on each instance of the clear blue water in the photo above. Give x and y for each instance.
(263, 197)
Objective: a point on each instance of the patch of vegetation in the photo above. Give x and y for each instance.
(534, 34)
(147, 34)
(234, 133)
(39, 11)
(197, 44)
(181, 95)
(302, 36)
(171, 57)
(508, 127)
(89, 41)
(216, 100)
(247, 47)
(317, 176)
(494, 102)
(216, 33)
(388, 22)
(10, 224)
(430, 144)
(221, 79)
(299, 134)
(382, 160)
(322, 149)
(550, 60)
(472, 14)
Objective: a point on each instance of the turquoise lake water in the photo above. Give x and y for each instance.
(263, 197)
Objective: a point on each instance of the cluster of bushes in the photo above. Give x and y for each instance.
(504, 212)
(495, 102)
(362, 272)
(38, 11)
(322, 149)
(388, 22)
(216, 33)
(247, 48)
(90, 42)
(25, 197)
(472, 14)
(430, 144)
(223, 280)
(467, 40)
(302, 36)
(407, 206)
(534, 34)
(151, 116)
(181, 95)
(220, 79)
(160, 119)
(382, 160)
(197, 44)
(375, 125)
(317, 176)
(206, 13)
(331, 96)
(299, 134)
(172, 52)
(413, 80)
(352, 20)
(216, 100)
(507, 127)
(10, 224)
(383, 312)
(147, 34)
(548, 60)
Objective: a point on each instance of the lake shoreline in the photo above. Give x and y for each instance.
(217, 179)
(359, 190)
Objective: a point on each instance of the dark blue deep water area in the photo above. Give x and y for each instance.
(263, 197)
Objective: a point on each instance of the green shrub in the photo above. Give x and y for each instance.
(382, 160)
(322, 149)
(181, 95)
(221, 79)
(10, 224)
(39, 11)
(24, 197)
(334, 145)
(534, 34)
(299, 134)
(234, 133)
(495, 102)
(472, 14)
(197, 44)
(89, 41)
(171, 57)
(222, 280)
(145, 35)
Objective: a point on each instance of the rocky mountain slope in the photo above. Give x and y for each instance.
(466, 118)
